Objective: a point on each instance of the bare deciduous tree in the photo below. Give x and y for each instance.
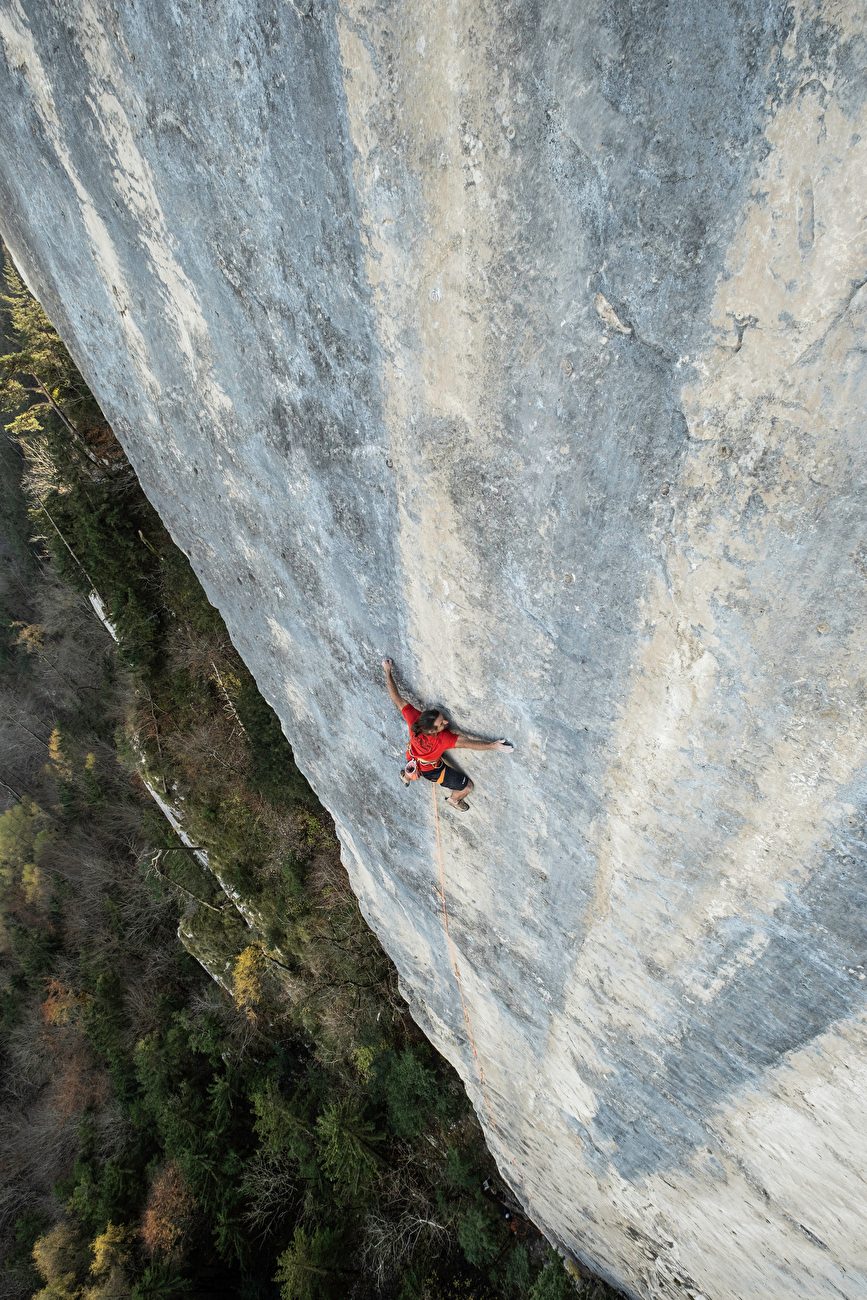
(273, 1188)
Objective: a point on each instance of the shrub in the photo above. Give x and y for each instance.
(460, 1170)
(478, 1232)
(515, 1273)
(553, 1283)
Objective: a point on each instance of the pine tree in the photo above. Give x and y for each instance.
(347, 1145)
(310, 1268)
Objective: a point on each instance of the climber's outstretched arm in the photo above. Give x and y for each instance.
(469, 742)
(396, 697)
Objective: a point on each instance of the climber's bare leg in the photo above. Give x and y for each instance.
(457, 795)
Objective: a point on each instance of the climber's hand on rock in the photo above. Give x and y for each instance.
(503, 747)
(394, 693)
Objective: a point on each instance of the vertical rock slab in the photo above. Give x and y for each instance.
(526, 344)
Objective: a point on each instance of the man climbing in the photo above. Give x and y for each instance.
(429, 739)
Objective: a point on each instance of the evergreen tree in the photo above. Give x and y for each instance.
(310, 1269)
(40, 378)
(347, 1145)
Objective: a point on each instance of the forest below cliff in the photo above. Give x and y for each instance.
(266, 1120)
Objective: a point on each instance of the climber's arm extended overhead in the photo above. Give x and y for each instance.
(470, 742)
(396, 697)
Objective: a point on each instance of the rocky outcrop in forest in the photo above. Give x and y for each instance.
(527, 345)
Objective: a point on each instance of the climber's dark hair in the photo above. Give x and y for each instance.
(424, 722)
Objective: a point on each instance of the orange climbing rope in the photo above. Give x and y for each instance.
(461, 992)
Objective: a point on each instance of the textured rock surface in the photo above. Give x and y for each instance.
(526, 343)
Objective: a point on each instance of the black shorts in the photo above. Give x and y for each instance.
(445, 776)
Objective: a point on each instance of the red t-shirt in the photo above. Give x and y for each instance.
(429, 749)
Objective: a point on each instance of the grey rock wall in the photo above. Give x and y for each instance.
(526, 343)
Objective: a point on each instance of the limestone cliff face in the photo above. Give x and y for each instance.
(526, 343)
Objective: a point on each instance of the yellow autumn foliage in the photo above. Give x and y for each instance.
(31, 636)
(111, 1249)
(57, 1260)
(247, 975)
(17, 836)
(55, 750)
(34, 883)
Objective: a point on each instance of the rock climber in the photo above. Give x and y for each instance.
(429, 738)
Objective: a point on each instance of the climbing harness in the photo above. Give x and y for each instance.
(415, 767)
(442, 893)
